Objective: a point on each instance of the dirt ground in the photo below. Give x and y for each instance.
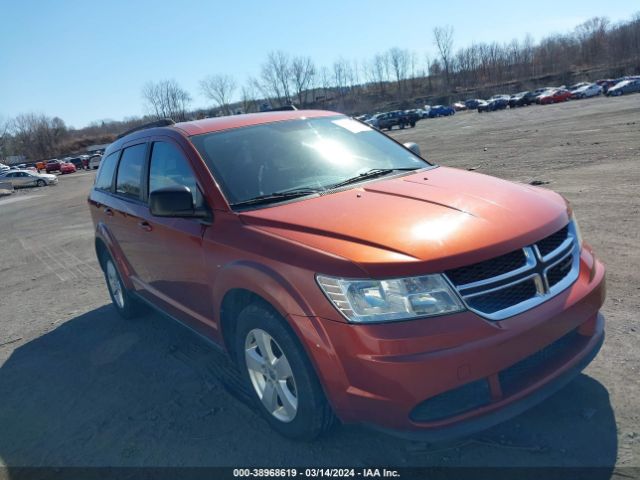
(81, 387)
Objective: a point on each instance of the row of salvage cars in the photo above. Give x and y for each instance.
(549, 95)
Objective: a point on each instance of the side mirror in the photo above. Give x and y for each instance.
(174, 202)
(413, 147)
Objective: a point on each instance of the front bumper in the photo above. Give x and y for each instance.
(392, 375)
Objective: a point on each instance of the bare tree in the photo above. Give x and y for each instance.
(249, 96)
(166, 99)
(275, 78)
(37, 136)
(303, 72)
(399, 60)
(443, 38)
(219, 88)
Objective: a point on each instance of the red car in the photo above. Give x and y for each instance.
(67, 167)
(347, 276)
(556, 96)
(53, 166)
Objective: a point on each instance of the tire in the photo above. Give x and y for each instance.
(297, 407)
(126, 304)
(402, 125)
(413, 124)
(41, 183)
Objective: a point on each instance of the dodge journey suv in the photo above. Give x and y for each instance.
(347, 276)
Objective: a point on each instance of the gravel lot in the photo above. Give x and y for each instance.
(79, 386)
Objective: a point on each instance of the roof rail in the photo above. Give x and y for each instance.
(165, 122)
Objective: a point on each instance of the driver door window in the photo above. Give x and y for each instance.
(169, 168)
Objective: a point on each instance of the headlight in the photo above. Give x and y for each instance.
(370, 301)
(576, 230)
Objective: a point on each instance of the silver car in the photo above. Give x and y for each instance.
(26, 178)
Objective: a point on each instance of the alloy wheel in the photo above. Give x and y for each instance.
(114, 284)
(271, 375)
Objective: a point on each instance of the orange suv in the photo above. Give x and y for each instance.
(347, 276)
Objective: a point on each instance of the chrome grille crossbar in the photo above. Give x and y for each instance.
(510, 293)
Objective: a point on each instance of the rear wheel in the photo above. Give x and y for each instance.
(126, 304)
(276, 369)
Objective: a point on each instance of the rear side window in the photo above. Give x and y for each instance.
(128, 180)
(105, 174)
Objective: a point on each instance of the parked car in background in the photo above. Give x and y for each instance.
(520, 99)
(67, 167)
(538, 92)
(554, 96)
(578, 85)
(53, 166)
(27, 178)
(3, 168)
(413, 116)
(77, 161)
(441, 111)
(624, 87)
(495, 103)
(606, 83)
(473, 103)
(482, 106)
(459, 106)
(94, 162)
(586, 91)
(388, 120)
(396, 118)
(386, 290)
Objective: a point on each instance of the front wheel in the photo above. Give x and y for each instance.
(41, 183)
(274, 365)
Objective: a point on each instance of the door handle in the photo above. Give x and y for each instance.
(108, 211)
(144, 225)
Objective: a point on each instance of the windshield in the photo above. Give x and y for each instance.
(311, 154)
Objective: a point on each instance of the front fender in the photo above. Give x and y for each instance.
(264, 281)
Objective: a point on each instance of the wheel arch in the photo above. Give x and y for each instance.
(244, 282)
(104, 244)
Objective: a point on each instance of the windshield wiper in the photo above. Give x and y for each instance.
(276, 197)
(373, 173)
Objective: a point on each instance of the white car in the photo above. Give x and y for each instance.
(586, 91)
(27, 178)
(374, 120)
(94, 162)
(3, 168)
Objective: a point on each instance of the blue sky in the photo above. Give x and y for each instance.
(88, 60)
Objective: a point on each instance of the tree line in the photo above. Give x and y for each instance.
(397, 75)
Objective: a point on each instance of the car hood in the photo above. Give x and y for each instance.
(424, 222)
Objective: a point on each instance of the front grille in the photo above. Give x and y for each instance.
(553, 241)
(560, 271)
(487, 269)
(504, 298)
(511, 283)
(527, 370)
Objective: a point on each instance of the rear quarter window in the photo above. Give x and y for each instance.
(104, 179)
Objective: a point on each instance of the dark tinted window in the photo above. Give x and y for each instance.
(169, 168)
(105, 174)
(128, 180)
